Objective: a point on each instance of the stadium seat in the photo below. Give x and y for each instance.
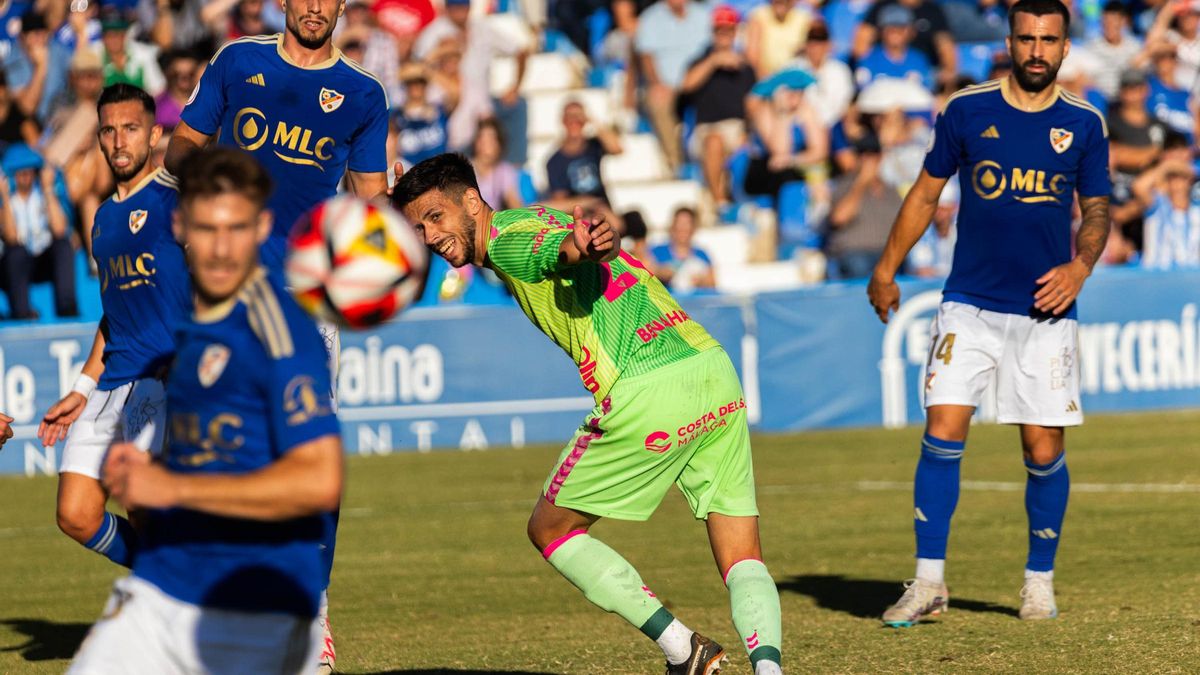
(543, 72)
(975, 59)
(794, 228)
(726, 245)
(641, 160)
(529, 191)
(545, 110)
(540, 151)
(843, 17)
(758, 277)
(656, 201)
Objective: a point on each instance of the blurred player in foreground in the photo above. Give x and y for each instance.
(144, 291)
(310, 116)
(230, 571)
(669, 407)
(1022, 148)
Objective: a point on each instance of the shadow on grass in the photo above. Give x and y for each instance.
(47, 640)
(867, 598)
(450, 671)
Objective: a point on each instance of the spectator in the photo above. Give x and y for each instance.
(788, 135)
(179, 24)
(420, 124)
(1170, 103)
(633, 235)
(1171, 234)
(932, 34)
(618, 46)
(481, 45)
(775, 32)
(849, 139)
(716, 85)
(499, 181)
(445, 75)
(36, 243)
(15, 125)
(862, 213)
(573, 171)
(1075, 76)
(668, 39)
(1178, 22)
(894, 56)
(1115, 49)
(28, 66)
(933, 254)
(1135, 136)
(834, 88)
(181, 69)
(381, 54)
(679, 264)
(245, 20)
(126, 60)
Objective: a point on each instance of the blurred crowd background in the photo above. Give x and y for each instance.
(741, 146)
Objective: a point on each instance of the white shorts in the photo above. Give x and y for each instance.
(144, 631)
(111, 417)
(332, 335)
(1034, 361)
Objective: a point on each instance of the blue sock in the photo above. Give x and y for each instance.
(1046, 491)
(115, 540)
(935, 494)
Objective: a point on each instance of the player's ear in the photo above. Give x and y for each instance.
(177, 226)
(342, 7)
(265, 220)
(156, 133)
(472, 202)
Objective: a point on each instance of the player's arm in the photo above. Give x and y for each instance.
(368, 185)
(59, 418)
(915, 215)
(594, 240)
(304, 482)
(6, 430)
(184, 141)
(1061, 285)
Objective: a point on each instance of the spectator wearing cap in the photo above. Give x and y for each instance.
(894, 56)
(573, 171)
(35, 236)
(481, 45)
(181, 68)
(1170, 102)
(1115, 49)
(127, 61)
(1171, 229)
(775, 32)
(716, 85)
(1178, 23)
(1135, 136)
(680, 264)
(789, 138)
(931, 34)
(15, 125)
(421, 126)
(670, 35)
(834, 88)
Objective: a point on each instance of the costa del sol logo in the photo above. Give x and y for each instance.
(658, 442)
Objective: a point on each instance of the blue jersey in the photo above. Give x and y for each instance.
(422, 138)
(1172, 107)
(306, 125)
(144, 286)
(877, 64)
(1019, 172)
(249, 383)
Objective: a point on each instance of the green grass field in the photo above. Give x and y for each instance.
(434, 573)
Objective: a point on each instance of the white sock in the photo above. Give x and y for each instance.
(676, 642)
(767, 668)
(931, 569)
(1048, 576)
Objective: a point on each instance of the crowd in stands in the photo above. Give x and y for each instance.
(716, 136)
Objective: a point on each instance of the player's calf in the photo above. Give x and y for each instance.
(81, 516)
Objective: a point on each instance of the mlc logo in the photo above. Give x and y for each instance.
(251, 129)
(990, 181)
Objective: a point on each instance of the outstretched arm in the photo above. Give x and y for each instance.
(1061, 285)
(594, 240)
(184, 141)
(915, 215)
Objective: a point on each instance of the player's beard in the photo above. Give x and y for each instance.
(135, 166)
(310, 41)
(468, 231)
(1035, 82)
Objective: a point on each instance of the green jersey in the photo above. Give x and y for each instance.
(614, 319)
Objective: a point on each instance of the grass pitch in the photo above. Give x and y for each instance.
(434, 573)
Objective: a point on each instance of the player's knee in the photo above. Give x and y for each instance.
(77, 521)
(1043, 453)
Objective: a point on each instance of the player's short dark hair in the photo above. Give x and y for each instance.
(1040, 8)
(122, 92)
(449, 172)
(219, 170)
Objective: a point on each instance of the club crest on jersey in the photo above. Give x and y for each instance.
(1060, 140)
(330, 100)
(137, 220)
(212, 364)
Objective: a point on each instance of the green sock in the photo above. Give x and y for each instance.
(754, 601)
(608, 581)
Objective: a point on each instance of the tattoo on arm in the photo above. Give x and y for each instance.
(1093, 232)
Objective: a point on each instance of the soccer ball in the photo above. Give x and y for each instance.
(354, 263)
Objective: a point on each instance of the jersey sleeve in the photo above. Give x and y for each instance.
(945, 149)
(368, 147)
(298, 391)
(1094, 180)
(528, 250)
(206, 107)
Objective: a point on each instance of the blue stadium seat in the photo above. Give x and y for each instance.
(87, 294)
(975, 59)
(529, 193)
(843, 17)
(599, 23)
(794, 229)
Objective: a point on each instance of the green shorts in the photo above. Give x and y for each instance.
(682, 424)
